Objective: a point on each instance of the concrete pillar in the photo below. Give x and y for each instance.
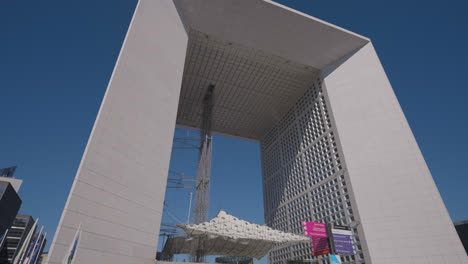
(119, 188)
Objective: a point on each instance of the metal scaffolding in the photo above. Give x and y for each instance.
(202, 189)
(201, 183)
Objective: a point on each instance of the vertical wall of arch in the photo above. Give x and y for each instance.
(345, 154)
(118, 191)
(399, 209)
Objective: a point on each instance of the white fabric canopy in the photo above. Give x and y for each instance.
(230, 236)
(230, 226)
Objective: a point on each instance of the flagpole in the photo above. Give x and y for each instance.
(36, 255)
(2, 241)
(26, 242)
(76, 249)
(27, 260)
(68, 259)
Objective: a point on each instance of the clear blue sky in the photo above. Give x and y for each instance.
(57, 56)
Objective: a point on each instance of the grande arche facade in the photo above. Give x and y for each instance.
(335, 143)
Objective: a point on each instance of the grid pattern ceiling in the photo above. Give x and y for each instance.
(253, 89)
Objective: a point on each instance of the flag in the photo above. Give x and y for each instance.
(35, 243)
(73, 247)
(34, 257)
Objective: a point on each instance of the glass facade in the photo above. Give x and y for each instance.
(15, 238)
(8, 172)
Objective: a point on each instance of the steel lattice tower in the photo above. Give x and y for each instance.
(202, 196)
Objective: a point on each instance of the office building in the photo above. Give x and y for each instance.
(7, 172)
(16, 237)
(10, 204)
(462, 230)
(335, 143)
(6, 175)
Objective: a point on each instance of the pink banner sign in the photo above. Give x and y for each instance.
(318, 235)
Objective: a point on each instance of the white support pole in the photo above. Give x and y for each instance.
(189, 208)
